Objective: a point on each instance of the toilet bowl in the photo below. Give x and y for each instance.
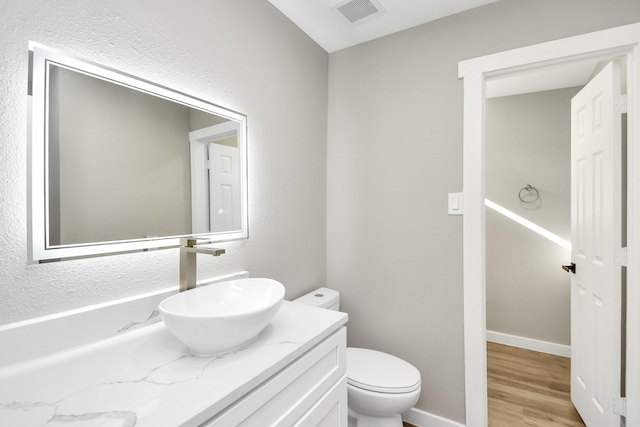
(380, 386)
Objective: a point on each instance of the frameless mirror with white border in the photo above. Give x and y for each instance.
(119, 164)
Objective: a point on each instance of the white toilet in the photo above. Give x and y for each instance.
(380, 386)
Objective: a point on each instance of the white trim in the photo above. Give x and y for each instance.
(529, 344)
(199, 160)
(618, 42)
(633, 238)
(421, 418)
(473, 244)
(215, 132)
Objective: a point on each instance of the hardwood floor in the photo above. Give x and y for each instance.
(529, 389)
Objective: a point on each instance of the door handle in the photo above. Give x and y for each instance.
(570, 268)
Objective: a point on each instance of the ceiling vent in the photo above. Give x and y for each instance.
(357, 11)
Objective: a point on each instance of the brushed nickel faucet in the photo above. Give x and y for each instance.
(188, 249)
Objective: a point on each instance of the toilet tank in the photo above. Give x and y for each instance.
(321, 297)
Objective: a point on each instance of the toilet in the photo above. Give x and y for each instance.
(380, 386)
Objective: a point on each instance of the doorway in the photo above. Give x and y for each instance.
(528, 220)
(528, 234)
(538, 65)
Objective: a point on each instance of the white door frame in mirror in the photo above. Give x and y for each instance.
(201, 191)
(616, 42)
(39, 248)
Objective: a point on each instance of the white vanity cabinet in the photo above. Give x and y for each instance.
(293, 374)
(311, 391)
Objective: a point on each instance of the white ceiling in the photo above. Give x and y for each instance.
(321, 20)
(326, 26)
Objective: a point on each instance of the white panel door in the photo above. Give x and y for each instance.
(596, 234)
(224, 188)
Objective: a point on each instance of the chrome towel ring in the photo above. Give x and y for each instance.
(531, 194)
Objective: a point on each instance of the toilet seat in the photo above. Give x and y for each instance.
(380, 372)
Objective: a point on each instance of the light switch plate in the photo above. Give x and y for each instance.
(455, 204)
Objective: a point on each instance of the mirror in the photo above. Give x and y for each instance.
(118, 164)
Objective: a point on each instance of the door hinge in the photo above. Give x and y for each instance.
(620, 406)
(620, 104)
(620, 257)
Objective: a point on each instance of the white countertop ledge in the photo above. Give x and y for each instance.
(147, 378)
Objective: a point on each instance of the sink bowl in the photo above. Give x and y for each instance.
(224, 316)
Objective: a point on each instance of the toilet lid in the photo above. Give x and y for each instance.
(380, 372)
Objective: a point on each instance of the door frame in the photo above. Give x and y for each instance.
(199, 154)
(619, 42)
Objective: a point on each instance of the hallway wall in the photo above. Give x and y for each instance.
(528, 141)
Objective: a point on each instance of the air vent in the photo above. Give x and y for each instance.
(357, 10)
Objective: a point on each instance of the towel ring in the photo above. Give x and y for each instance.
(531, 190)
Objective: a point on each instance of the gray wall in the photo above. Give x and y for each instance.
(528, 141)
(394, 152)
(244, 55)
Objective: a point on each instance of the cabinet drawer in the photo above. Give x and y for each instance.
(330, 411)
(288, 395)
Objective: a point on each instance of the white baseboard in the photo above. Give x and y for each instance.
(529, 344)
(421, 418)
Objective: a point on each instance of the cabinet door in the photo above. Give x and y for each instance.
(330, 411)
(287, 396)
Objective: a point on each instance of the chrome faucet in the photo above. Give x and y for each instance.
(188, 250)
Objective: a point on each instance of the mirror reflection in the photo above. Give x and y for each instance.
(128, 161)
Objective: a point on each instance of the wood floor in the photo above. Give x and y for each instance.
(528, 389)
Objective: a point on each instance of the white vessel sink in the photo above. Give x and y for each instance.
(224, 316)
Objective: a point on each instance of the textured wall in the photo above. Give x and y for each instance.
(244, 55)
(394, 152)
(528, 141)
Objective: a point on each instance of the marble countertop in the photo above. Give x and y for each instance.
(147, 377)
